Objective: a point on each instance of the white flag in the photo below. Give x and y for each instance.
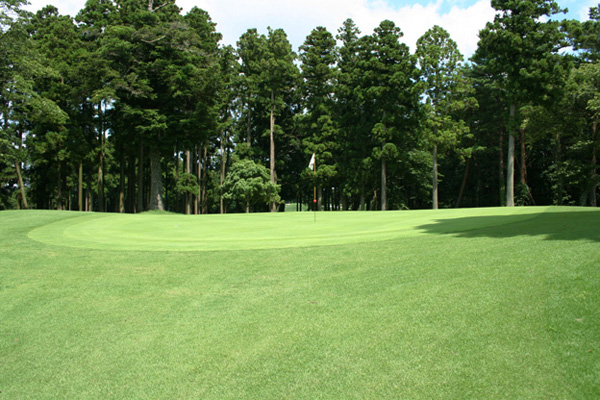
(311, 164)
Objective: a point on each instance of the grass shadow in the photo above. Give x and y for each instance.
(579, 224)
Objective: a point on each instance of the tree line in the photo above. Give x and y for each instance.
(132, 105)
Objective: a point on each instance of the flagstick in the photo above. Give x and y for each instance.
(315, 203)
(313, 165)
(315, 191)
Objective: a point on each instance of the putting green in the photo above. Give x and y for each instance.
(174, 232)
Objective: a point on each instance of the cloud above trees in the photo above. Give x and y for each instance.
(299, 18)
(462, 19)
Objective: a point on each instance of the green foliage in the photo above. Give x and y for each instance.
(583, 36)
(187, 184)
(519, 49)
(248, 183)
(129, 81)
(320, 129)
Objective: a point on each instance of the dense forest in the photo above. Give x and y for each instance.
(132, 105)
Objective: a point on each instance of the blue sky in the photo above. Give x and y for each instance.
(575, 7)
(461, 18)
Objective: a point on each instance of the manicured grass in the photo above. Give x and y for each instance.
(451, 304)
(169, 232)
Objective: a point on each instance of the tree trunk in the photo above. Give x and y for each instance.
(199, 177)
(510, 173)
(593, 201)
(383, 185)
(122, 185)
(18, 166)
(523, 157)
(272, 147)
(205, 179)
(80, 187)
(156, 183)
(222, 176)
(101, 162)
(361, 204)
(21, 186)
(501, 180)
(59, 203)
(464, 184)
(188, 170)
(100, 187)
(557, 161)
(89, 201)
(524, 167)
(510, 165)
(131, 185)
(249, 125)
(140, 178)
(434, 190)
(319, 198)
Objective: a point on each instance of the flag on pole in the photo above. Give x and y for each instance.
(311, 164)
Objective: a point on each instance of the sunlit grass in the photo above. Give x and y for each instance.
(483, 303)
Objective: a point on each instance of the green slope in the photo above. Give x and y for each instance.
(173, 232)
(467, 304)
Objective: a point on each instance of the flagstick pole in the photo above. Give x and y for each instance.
(315, 192)
(315, 203)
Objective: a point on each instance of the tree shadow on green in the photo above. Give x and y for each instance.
(575, 225)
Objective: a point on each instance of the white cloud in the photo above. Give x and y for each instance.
(299, 17)
(584, 10)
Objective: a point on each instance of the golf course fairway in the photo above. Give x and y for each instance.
(488, 303)
(175, 232)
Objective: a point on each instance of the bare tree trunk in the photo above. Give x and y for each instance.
(59, 203)
(80, 187)
(464, 184)
(131, 185)
(21, 186)
(373, 204)
(204, 179)
(510, 165)
(100, 187)
(523, 157)
(18, 167)
(140, 178)
(557, 161)
(249, 125)
(524, 167)
(156, 183)
(434, 190)
(222, 176)
(501, 180)
(362, 200)
(510, 173)
(383, 185)
(593, 201)
(319, 198)
(199, 177)
(122, 185)
(101, 162)
(88, 198)
(272, 147)
(188, 170)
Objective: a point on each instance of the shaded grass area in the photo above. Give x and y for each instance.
(462, 309)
